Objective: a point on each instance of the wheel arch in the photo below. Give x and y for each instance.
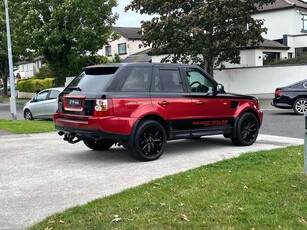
(298, 97)
(159, 119)
(154, 117)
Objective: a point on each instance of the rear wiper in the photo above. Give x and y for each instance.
(75, 88)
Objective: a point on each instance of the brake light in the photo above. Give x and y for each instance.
(103, 107)
(278, 92)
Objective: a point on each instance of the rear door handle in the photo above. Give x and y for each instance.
(163, 103)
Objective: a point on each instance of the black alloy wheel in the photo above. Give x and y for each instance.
(149, 141)
(247, 130)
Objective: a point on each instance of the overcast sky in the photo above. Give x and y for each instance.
(130, 18)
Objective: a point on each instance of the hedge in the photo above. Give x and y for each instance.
(33, 85)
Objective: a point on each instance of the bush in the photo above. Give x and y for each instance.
(291, 61)
(33, 85)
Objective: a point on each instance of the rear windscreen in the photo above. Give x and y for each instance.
(94, 79)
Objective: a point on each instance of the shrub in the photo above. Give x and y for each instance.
(297, 60)
(33, 85)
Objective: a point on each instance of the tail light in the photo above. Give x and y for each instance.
(278, 92)
(103, 107)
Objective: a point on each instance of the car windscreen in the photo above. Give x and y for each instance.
(93, 80)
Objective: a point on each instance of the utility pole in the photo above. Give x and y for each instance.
(11, 70)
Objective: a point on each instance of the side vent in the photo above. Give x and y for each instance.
(234, 104)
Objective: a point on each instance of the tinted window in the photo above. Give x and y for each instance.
(168, 80)
(94, 79)
(138, 80)
(198, 81)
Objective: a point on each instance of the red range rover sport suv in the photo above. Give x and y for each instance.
(141, 106)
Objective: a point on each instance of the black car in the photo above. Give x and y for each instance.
(293, 97)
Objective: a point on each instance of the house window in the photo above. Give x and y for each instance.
(270, 57)
(290, 55)
(122, 48)
(108, 51)
(300, 51)
(304, 22)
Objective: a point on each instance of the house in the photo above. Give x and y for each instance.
(286, 21)
(127, 44)
(28, 69)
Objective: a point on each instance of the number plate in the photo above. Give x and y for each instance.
(73, 102)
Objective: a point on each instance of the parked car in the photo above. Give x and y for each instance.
(141, 106)
(43, 105)
(293, 97)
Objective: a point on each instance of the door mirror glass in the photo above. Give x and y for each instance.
(220, 88)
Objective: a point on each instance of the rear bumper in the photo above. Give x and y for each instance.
(104, 127)
(281, 105)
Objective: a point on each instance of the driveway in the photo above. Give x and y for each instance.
(42, 175)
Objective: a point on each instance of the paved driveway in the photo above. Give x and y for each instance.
(40, 174)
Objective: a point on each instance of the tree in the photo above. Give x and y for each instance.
(63, 30)
(205, 33)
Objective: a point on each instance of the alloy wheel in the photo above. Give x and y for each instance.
(301, 106)
(151, 141)
(249, 129)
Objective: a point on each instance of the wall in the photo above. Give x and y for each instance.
(281, 22)
(259, 80)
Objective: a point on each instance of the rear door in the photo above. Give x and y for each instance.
(170, 98)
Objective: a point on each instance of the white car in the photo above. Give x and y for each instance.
(43, 105)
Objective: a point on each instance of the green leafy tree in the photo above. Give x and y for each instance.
(205, 33)
(63, 30)
(78, 63)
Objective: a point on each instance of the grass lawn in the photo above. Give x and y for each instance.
(262, 190)
(25, 127)
(19, 101)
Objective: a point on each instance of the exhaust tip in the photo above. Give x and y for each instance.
(61, 133)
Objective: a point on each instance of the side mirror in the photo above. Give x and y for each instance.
(220, 88)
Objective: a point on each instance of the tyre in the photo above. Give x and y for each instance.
(300, 106)
(149, 141)
(100, 145)
(28, 115)
(246, 130)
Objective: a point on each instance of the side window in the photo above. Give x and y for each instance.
(54, 94)
(168, 81)
(301, 85)
(42, 96)
(138, 80)
(198, 81)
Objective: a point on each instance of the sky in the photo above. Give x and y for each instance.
(130, 18)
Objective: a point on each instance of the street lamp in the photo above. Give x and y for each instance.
(9, 48)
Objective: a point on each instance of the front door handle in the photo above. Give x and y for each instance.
(163, 103)
(199, 102)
